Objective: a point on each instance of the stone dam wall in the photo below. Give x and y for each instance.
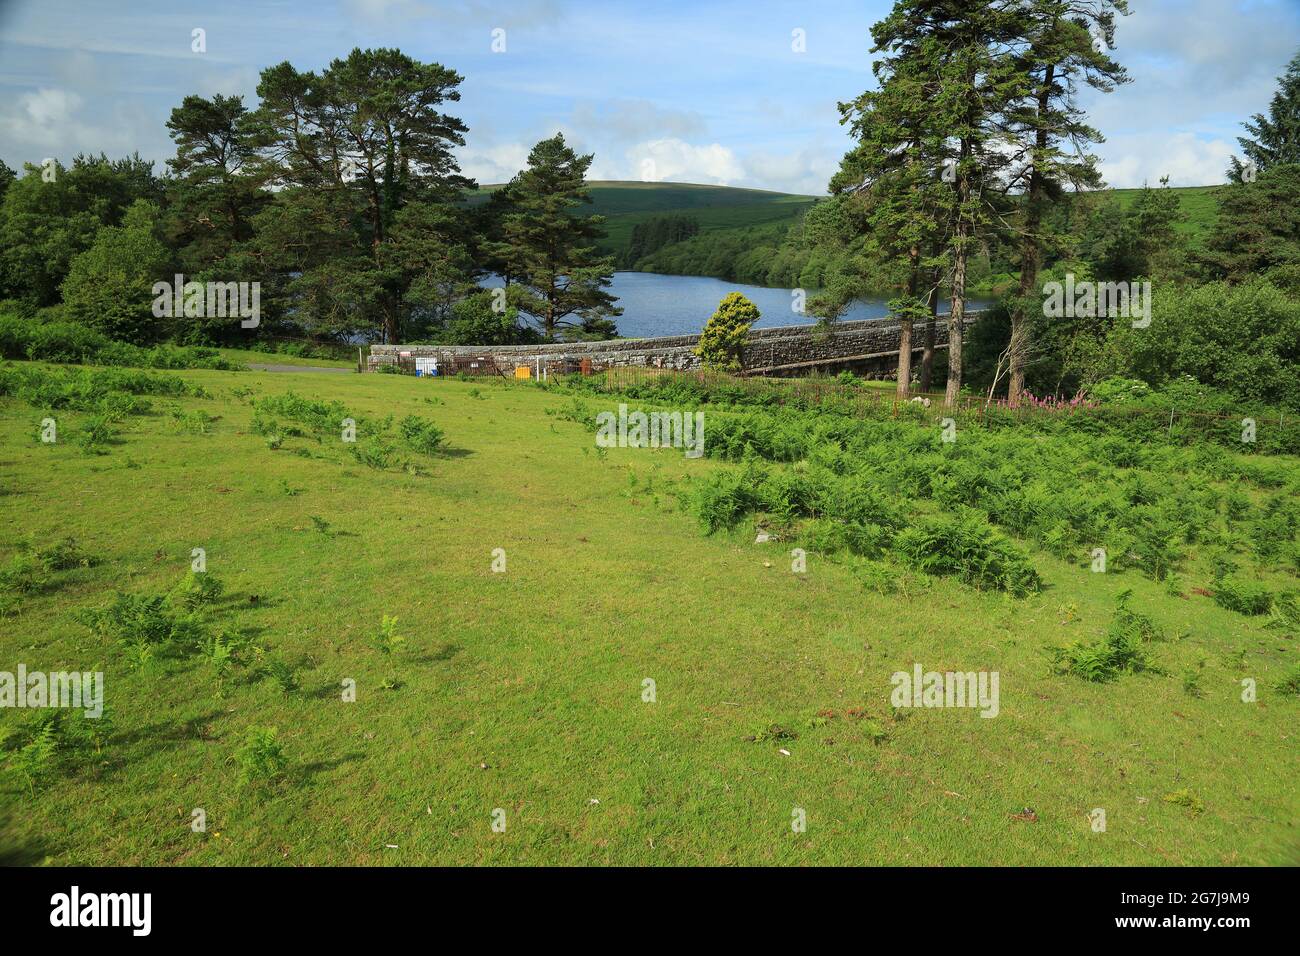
(789, 350)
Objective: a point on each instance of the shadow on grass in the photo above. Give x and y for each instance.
(304, 775)
(167, 733)
(326, 691)
(445, 653)
(15, 852)
(247, 602)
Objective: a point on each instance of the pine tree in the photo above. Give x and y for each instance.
(964, 49)
(1276, 137)
(895, 172)
(353, 146)
(557, 276)
(1062, 46)
(214, 196)
(1257, 230)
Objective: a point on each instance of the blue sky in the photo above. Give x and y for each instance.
(680, 91)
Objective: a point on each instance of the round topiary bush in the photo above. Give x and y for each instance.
(722, 343)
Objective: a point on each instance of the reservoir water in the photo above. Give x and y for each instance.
(656, 304)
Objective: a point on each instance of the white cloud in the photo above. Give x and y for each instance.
(493, 164)
(674, 160)
(807, 171)
(1186, 159)
(46, 107)
(41, 118)
(52, 122)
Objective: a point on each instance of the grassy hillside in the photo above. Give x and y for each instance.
(625, 204)
(724, 208)
(524, 691)
(1198, 204)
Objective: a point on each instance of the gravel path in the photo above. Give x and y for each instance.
(300, 368)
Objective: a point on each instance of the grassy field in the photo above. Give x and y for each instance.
(523, 691)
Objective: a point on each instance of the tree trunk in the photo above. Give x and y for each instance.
(960, 252)
(927, 352)
(956, 317)
(904, 356)
(388, 301)
(391, 332)
(905, 328)
(1030, 249)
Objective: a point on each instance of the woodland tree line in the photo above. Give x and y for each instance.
(338, 193)
(973, 170)
(972, 167)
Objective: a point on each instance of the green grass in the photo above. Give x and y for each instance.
(252, 356)
(523, 690)
(1198, 204)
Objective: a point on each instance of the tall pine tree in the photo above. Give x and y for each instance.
(549, 253)
(964, 48)
(1275, 138)
(895, 172)
(1063, 46)
(352, 147)
(215, 193)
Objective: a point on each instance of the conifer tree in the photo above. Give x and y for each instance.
(1062, 46)
(557, 276)
(1275, 138)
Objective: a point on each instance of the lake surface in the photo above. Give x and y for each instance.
(656, 304)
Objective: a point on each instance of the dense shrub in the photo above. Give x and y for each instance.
(109, 286)
(1123, 649)
(475, 321)
(967, 547)
(1243, 339)
(71, 343)
(723, 340)
(106, 390)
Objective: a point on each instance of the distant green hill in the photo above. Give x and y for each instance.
(1198, 204)
(624, 204)
(742, 233)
